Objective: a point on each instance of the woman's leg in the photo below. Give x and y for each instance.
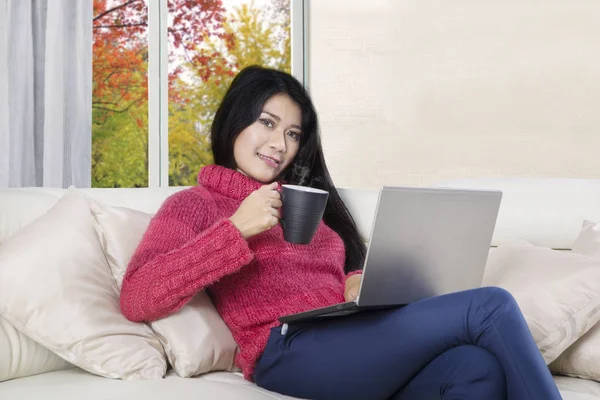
(464, 372)
(373, 355)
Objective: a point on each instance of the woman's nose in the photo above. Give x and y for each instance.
(278, 141)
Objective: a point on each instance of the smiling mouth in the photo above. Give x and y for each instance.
(270, 161)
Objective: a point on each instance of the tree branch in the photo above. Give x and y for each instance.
(121, 26)
(113, 110)
(114, 9)
(109, 75)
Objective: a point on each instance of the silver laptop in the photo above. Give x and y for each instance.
(425, 242)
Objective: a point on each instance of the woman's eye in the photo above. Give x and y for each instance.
(294, 135)
(266, 122)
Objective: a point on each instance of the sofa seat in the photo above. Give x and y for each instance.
(577, 389)
(76, 384)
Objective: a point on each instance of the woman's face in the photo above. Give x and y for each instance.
(264, 149)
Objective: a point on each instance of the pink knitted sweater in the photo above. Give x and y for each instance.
(191, 245)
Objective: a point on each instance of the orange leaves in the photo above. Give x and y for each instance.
(120, 49)
(192, 20)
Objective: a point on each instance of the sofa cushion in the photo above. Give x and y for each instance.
(558, 292)
(56, 287)
(196, 339)
(571, 388)
(76, 384)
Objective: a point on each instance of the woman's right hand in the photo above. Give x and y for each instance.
(258, 212)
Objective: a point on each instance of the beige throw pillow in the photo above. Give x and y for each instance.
(195, 338)
(56, 287)
(582, 358)
(20, 356)
(558, 292)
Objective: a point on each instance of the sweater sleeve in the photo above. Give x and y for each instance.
(174, 261)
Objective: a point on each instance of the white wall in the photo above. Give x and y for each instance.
(412, 92)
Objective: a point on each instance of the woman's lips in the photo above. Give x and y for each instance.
(269, 161)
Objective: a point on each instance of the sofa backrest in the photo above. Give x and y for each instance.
(18, 207)
(544, 211)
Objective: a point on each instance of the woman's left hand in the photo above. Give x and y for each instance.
(352, 286)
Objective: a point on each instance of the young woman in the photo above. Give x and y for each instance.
(223, 236)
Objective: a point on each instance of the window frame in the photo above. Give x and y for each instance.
(158, 86)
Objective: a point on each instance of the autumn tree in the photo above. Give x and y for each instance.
(120, 81)
(207, 47)
(258, 39)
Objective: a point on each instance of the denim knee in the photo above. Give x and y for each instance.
(480, 370)
(495, 299)
(489, 304)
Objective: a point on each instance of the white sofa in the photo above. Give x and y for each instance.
(546, 212)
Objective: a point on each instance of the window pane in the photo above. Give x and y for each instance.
(209, 42)
(120, 94)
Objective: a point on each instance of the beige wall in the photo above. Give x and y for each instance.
(413, 92)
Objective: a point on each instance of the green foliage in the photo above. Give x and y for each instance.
(120, 148)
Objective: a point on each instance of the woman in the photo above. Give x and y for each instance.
(224, 236)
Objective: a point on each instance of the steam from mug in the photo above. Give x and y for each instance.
(303, 209)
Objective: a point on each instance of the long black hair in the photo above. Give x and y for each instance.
(242, 106)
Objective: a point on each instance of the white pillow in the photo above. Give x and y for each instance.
(21, 356)
(558, 292)
(56, 287)
(588, 241)
(21, 206)
(582, 358)
(195, 338)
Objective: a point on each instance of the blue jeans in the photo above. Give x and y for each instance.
(468, 345)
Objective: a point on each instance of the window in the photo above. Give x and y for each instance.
(120, 94)
(185, 52)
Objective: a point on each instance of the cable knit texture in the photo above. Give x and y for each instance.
(190, 245)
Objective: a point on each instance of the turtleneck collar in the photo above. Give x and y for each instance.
(227, 182)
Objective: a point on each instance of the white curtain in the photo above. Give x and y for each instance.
(45, 93)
